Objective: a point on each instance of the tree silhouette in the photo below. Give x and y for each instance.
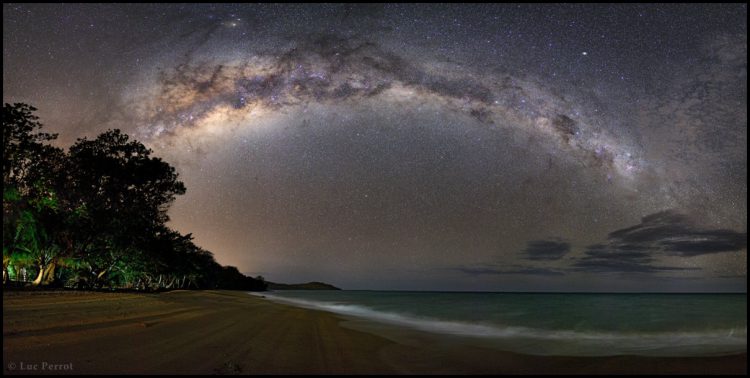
(22, 142)
(96, 215)
(126, 193)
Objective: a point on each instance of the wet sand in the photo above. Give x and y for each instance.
(225, 332)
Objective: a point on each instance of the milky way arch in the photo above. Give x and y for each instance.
(478, 147)
(330, 70)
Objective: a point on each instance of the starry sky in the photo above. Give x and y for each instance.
(422, 147)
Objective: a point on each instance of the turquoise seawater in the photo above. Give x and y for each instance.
(552, 323)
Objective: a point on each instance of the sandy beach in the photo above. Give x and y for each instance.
(225, 332)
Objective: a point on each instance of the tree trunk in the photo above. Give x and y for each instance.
(171, 283)
(46, 275)
(49, 274)
(39, 276)
(6, 274)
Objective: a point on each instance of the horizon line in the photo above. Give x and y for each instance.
(530, 292)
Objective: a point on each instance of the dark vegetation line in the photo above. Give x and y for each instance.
(94, 216)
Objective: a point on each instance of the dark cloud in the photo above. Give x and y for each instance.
(732, 276)
(546, 249)
(620, 265)
(702, 243)
(623, 251)
(491, 270)
(654, 227)
(675, 234)
(634, 249)
(622, 258)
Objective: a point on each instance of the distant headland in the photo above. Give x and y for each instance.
(302, 286)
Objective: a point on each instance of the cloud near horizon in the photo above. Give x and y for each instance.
(515, 269)
(677, 235)
(553, 249)
(635, 249)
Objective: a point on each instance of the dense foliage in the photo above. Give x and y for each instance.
(95, 216)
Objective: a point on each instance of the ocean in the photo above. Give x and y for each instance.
(570, 324)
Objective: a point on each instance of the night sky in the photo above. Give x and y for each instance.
(426, 147)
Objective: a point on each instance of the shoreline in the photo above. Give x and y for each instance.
(394, 324)
(231, 332)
